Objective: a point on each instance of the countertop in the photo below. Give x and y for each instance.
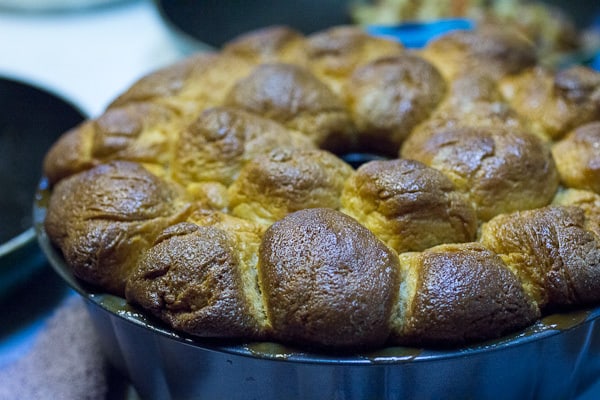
(86, 55)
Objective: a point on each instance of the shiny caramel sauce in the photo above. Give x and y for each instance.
(566, 320)
(118, 305)
(271, 350)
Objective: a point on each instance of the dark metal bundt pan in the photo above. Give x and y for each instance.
(558, 358)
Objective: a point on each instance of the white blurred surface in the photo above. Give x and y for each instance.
(87, 56)
(51, 4)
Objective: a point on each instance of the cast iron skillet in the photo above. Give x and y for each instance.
(31, 119)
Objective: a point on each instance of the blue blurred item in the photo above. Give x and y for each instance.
(417, 34)
(596, 27)
(596, 62)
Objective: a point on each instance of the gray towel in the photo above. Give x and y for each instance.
(64, 363)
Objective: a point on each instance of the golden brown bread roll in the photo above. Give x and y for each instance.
(334, 287)
(286, 180)
(192, 279)
(293, 96)
(221, 140)
(190, 86)
(499, 170)
(497, 51)
(335, 53)
(269, 44)
(142, 132)
(473, 87)
(408, 205)
(578, 157)
(389, 97)
(163, 84)
(103, 218)
(555, 102)
(555, 257)
(71, 153)
(458, 293)
(587, 201)
(217, 157)
(474, 99)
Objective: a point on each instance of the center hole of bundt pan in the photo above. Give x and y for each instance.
(356, 159)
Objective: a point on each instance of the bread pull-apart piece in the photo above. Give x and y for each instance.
(270, 44)
(327, 280)
(247, 236)
(473, 99)
(163, 84)
(408, 205)
(389, 97)
(458, 293)
(333, 54)
(555, 257)
(193, 279)
(554, 102)
(577, 157)
(103, 218)
(496, 51)
(191, 85)
(293, 96)
(588, 201)
(499, 170)
(140, 132)
(286, 180)
(222, 139)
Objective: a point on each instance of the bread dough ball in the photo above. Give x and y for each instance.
(555, 102)
(408, 205)
(327, 280)
(141, 132)
(555, 257)
(293, 96)
(334, 54)
(192, 279)
(458, 293)
(221, 140)
(578, 158)
(105, 217)
(269, 44)
(389, 97)
(286, 180)
(496, 51)
(499, 170)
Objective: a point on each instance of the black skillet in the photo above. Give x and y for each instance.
(31, 119)
(214, 22)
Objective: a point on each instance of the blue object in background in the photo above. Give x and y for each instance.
(596, 61)
(417, 34)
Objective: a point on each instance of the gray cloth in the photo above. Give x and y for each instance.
(64, 363)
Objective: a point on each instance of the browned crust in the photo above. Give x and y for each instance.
(334, 287)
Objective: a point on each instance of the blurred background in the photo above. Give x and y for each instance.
(90, 50)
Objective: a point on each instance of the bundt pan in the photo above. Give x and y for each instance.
(31, 119)
(553, 358)
(557, 358)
